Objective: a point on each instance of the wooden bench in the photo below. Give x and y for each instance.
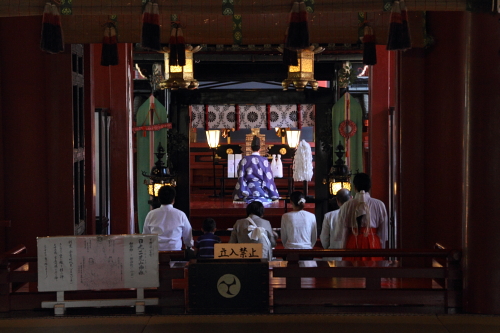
(389, 286)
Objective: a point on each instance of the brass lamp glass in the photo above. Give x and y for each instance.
(213, 138)
(155, 187)
(303, 74)
(179, 76)
(336, 186)
(293, 138)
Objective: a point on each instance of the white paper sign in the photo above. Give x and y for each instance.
(238, 251)
(97, 262)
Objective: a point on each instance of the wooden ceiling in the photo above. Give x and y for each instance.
(263, 21)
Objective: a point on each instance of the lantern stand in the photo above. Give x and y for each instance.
(213, 137)
(339, 175)
(159, 177)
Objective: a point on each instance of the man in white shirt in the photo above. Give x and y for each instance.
(170, 224)
(329, 220)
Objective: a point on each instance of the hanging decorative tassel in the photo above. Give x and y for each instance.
(394, 41)
(290, 57)
(150, 38)
(109, 55)
(369, 47)
(405, 37)
(298, 32)
(52, 37)
(181, 48)
(172, 45)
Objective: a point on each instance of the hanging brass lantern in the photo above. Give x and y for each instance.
(303, 74)
(180, 76)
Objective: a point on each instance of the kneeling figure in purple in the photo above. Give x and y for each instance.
(255, 178)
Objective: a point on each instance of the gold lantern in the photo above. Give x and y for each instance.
(303, 74)
(180, 76)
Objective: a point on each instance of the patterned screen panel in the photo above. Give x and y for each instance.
(252, 116)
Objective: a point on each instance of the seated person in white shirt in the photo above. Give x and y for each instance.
(170, 224)
(329, 220)
(298, 227)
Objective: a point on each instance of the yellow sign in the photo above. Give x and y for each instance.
(238, 251)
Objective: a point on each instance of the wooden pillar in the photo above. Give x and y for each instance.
(482, 165)
(321, 164)
(36, 133)
(112, 90)
(179, 117)
(90, 193)
(443, 129)
(410, 189)
(382, 89)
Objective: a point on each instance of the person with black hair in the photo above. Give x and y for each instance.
(254, 229)
(298, 227)
(170, 224)
(362, 222)
(255, 178)
(205, 243)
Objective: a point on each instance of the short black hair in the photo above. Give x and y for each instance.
(208, 224)
(295, 198)
(362, 182)
(255, 144)
(166, 194)
(255, 208)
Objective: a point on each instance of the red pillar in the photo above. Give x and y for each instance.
(37, 135)
(112, 89)
(482, 165)
(381, 98)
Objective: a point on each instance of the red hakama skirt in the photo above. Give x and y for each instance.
(360, 241)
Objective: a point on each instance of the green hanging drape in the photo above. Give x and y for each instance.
(354, 144)
(147, 143)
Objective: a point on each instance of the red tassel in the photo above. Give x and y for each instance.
(181, 48)
(406, 39)
(290, 57)
(206, 117)
(237, 116)
(395, 40)
(268, 112)
(299, 117)
(369, 47)
(150, 37)
(298, 31)
(172, 45)
(52, 37)
(109, 55)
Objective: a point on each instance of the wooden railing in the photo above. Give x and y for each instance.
(385, 286)
(171, 300)
(389, 285)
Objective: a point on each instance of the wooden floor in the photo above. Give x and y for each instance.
(225, 212)
(374, 323)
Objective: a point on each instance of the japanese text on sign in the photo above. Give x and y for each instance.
(238, 251)
(97, 262)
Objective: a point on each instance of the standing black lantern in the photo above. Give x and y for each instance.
(339, 173)
(159, 177)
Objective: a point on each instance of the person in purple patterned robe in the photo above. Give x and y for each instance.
(255, 178)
